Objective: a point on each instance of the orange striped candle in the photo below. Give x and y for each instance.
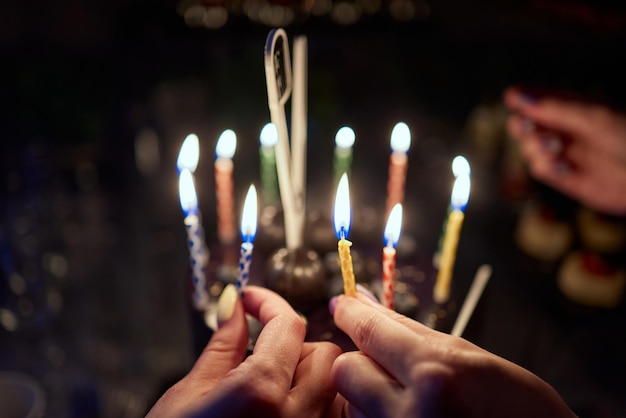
(398, 163)
(391, 237)
(224, 187)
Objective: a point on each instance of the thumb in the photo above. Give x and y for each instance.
(228, 345)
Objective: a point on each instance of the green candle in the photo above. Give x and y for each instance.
(268, 139)
(344, 141)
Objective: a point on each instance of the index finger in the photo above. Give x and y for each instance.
(280, 342)
(391, 344)
(552, 111)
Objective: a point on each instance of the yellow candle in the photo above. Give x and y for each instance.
(460, 166)
(347, 270)
(341, 220)
(458, 202)
(448, 256)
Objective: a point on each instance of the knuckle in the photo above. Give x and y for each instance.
(328, 347)
(296, 323)
(367, 329)
(436, 391)
(262, 386)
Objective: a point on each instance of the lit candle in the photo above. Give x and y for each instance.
(268, 139)
(198, 255)
(398, 162)
(344, 142)
(458, 203)
(391, 237)
(341, 219)
(460, 166)
(188, 158)
(189, 154)
(224, 189)
(248, 231)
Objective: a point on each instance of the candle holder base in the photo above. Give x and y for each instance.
(271, 230)
(439, 316)
(298, 276)
(320, 235)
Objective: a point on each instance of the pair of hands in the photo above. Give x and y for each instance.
(283, 377)
(402, 369)
(577, 147)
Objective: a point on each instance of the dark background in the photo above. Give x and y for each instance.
(93, 250)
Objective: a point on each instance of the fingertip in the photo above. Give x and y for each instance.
(338, 367)
(226, 304)
(510, 96)
(518, 98)
(562, 167)
(332, 304)
(367, 293)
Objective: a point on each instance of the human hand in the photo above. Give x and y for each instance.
(404, 369)
(579, 148)
(283, 377)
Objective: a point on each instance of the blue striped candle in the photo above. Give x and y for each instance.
(198, 252)
(248, 232)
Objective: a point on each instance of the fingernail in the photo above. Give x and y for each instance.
(527, 126)
(526, 99)
(345, 411)
(562, 167)
(226, 304)
(332, 304)
(365, 291)
(552, 144)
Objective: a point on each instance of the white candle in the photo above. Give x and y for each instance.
(279, 85)
(224, 187)
(473, 296)
(398, 162)
(248, 232)
(299, 127)
(198, 254)
(391, 237)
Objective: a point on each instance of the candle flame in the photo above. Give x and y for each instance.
(269, 135)
(226, 144)
(394, 226)
(249, 216)
(187, 191)
(460, 166)
(460, 192)
(400, 137)
(344, 138)
(341, 216)
(189, 154)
